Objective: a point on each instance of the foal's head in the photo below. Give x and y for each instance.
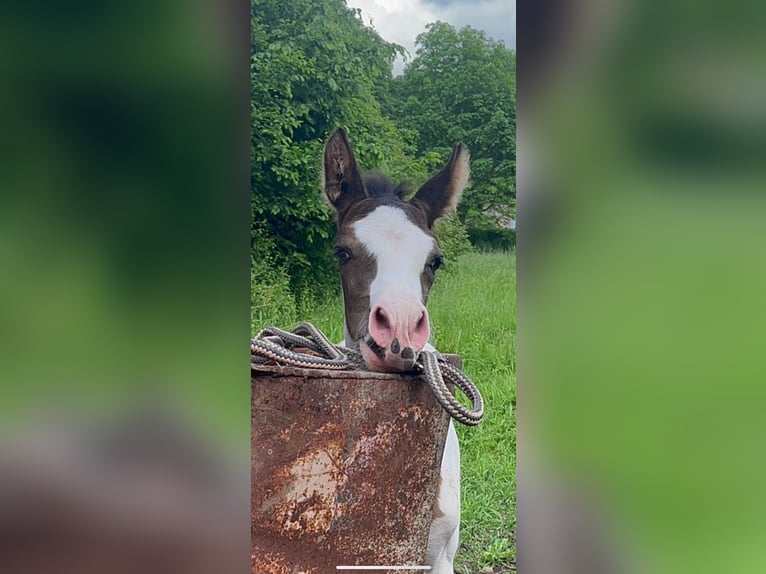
(386, 252)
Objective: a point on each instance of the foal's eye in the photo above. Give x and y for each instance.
(342, 255)
(436, 262)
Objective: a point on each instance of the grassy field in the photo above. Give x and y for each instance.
(473, 313)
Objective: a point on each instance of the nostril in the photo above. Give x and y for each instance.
(381, 327)
(422, 323)
(421, 331)
(381, 319)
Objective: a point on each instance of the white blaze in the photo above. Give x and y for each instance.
(400, 249)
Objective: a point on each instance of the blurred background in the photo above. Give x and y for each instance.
(123, 287)
(125, 215)
(641, 236)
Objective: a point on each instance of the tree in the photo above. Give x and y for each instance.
(314, 66)
(461, 86)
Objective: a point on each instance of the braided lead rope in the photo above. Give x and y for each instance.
(433, 370)
(272, 344)
(275, 345)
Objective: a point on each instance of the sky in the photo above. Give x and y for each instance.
(400, 21)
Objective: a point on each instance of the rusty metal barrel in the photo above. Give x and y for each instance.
(345, 468)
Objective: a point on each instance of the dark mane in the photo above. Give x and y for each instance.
(378, 184)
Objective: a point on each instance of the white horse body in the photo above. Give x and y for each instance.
(444, 536)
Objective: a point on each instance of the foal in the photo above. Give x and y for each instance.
(388, 256)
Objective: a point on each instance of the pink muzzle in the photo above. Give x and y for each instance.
(398, 335)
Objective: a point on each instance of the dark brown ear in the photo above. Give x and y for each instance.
(341, 180)
(440, 194)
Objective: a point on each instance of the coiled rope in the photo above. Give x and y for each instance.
(273, 345)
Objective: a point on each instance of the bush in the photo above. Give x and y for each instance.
(314, 66)
(486, 239)
(454, 241)
(271, 301)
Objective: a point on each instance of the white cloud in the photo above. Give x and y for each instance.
(496, 17)
(400, 21)
(397, 21)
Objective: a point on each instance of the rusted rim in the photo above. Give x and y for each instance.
(329, 374)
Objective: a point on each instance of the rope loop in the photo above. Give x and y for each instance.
(273, 345)
(433, 370)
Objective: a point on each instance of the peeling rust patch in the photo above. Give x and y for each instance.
(344, 469)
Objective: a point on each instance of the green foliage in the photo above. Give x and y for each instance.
(270, 292)
(454, 241)
(461, 86)
(270, 295)
(492, 239)
(498, 550)
(314, 66)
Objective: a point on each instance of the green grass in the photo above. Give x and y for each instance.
(473, 314)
